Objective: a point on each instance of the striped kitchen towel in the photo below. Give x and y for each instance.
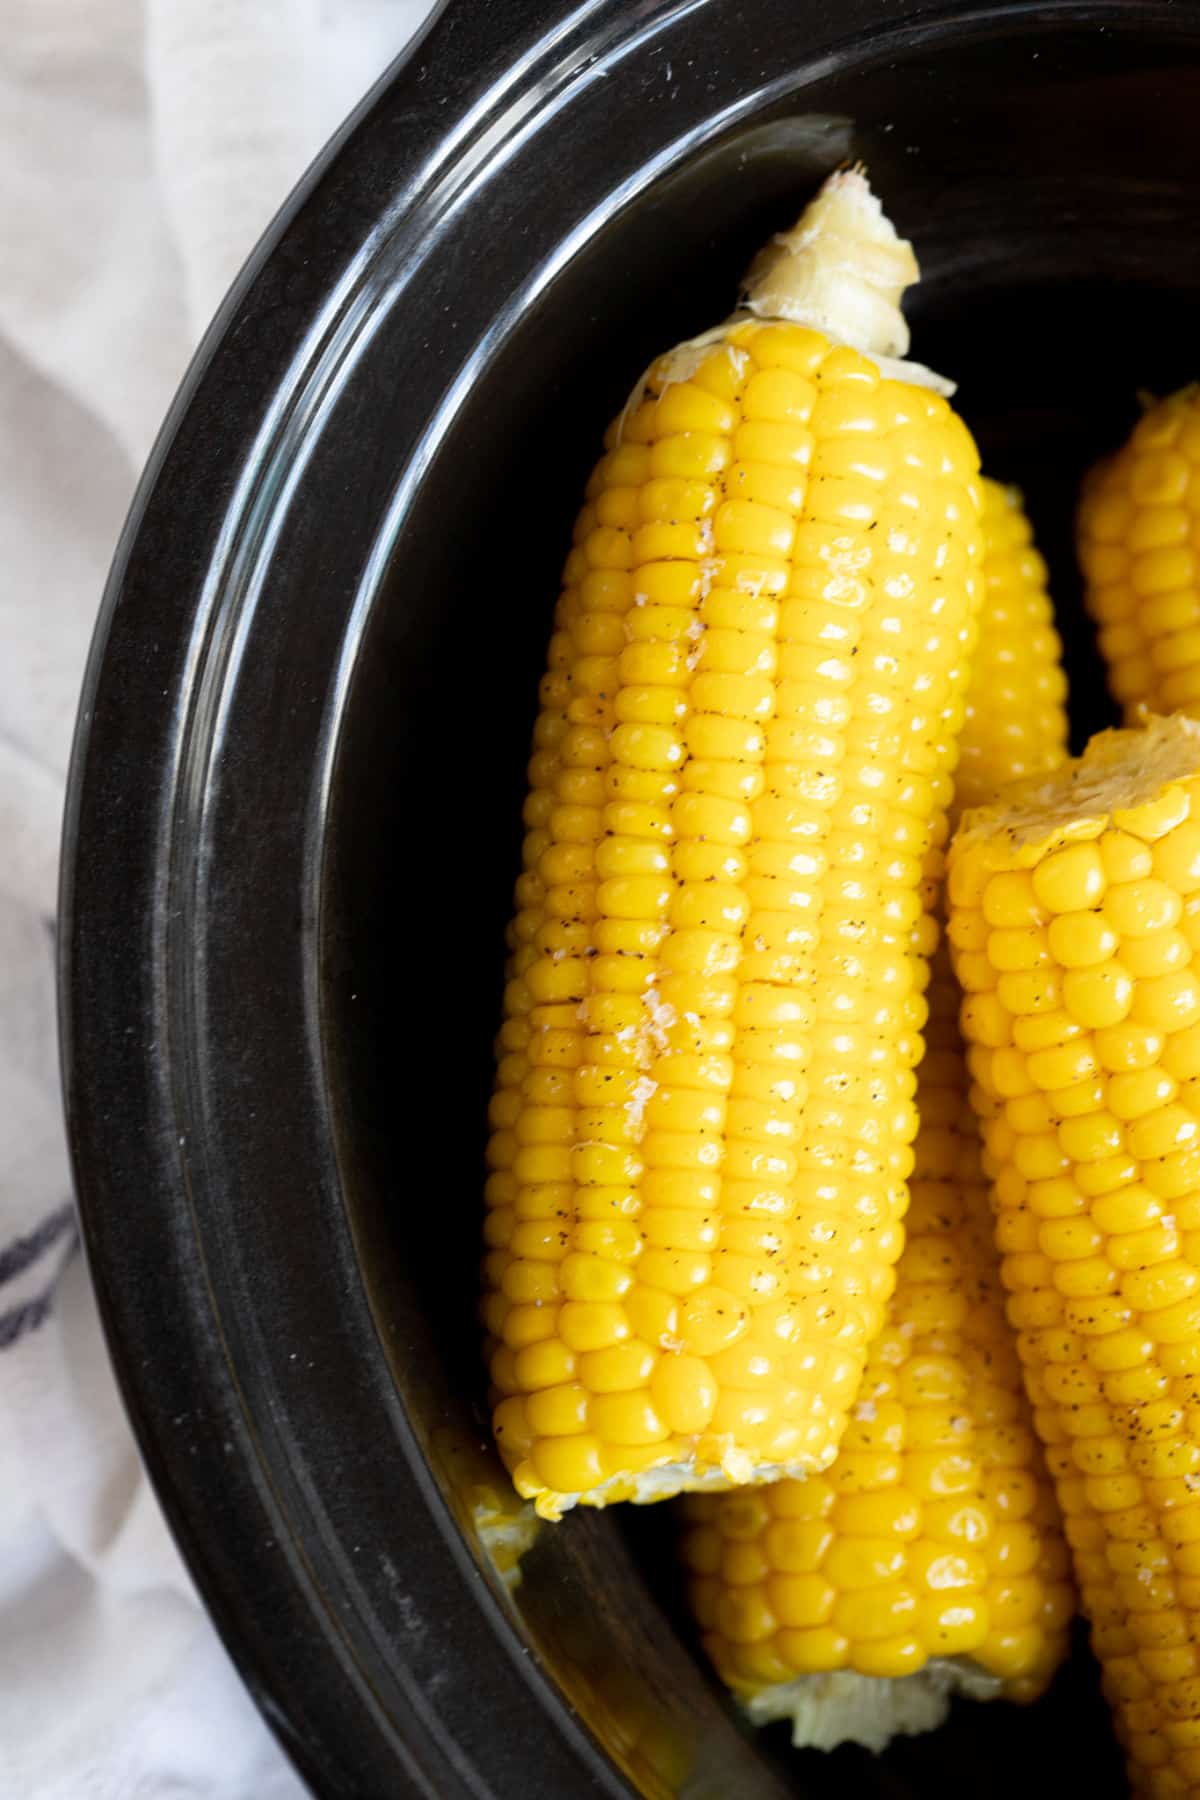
(144, 145)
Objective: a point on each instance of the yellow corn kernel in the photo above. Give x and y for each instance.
(937, 1533)
(751, 710)
(1016, 704)
(1137, 540)
(1117, 1395)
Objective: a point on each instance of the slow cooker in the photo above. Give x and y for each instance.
(294, 804)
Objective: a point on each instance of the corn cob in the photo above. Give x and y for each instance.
(1139, 546)
(703, 1115)
(929, 1557)
(1075, 918)
(1016, 722)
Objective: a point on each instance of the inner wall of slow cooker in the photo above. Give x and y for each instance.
(1047, 182)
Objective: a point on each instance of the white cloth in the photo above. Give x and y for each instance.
(144, 145)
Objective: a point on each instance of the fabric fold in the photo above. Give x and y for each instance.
(144, 145)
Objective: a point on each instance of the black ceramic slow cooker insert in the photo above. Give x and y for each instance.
(295, 800)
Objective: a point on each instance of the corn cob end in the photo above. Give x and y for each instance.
(842, 268)
(1122, 772)
(846, 1708)
(662, 1481)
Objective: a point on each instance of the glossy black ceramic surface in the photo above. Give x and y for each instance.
(294, 806)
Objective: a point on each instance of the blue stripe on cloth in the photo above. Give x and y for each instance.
(23, 1252)
(27, 1315)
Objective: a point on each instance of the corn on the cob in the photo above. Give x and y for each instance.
(1075, 919)
(929, 1557)
(703, 1117)
(1016, 723)
(1139, 546)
